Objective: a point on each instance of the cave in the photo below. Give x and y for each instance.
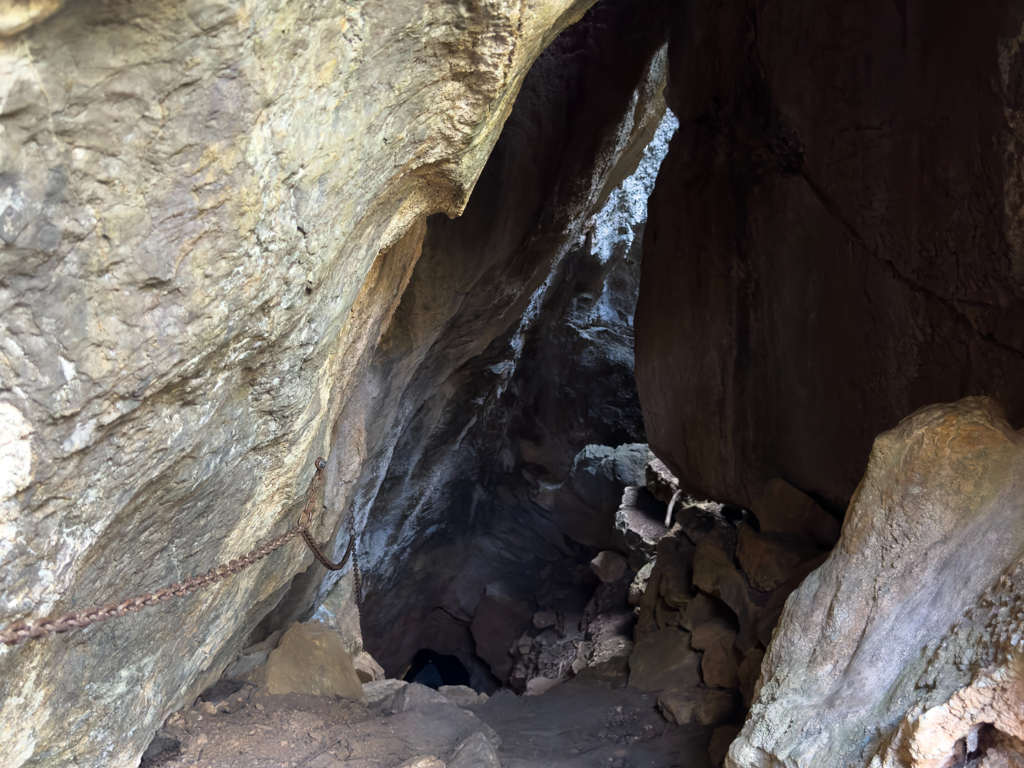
(434, 670)
(473, 383)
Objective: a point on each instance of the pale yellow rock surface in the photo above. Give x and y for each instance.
(311, 660)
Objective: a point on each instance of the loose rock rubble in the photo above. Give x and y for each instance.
(681, 614)
(708, 598)
(581, 724)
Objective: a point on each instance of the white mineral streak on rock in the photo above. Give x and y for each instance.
(15, 454)
(626, 209)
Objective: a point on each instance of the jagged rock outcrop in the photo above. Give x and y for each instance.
(709, 598)
(904, 648)
(208, 212)
(835, 238)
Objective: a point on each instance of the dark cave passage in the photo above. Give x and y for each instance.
(513, 475)
(434, 670)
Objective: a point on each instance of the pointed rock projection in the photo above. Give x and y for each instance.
(904, 648)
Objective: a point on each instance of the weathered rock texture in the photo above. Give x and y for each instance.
(311, 659)
(905, 647)
(208, 212)
(835, 238)
(488, 381)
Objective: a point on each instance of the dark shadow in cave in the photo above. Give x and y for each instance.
(434, 669)
(500, 508)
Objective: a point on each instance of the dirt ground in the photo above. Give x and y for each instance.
(584, 722)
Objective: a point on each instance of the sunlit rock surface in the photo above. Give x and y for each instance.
(904, 648)
(193, 197)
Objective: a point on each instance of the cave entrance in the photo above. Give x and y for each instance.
(434, 670)
(502, 490)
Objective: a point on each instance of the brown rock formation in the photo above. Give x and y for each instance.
(909, 638)
(835, 238)
(311, 659)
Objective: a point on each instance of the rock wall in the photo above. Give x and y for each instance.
(208, 212)
(835, 236)
(508, 300)
(904, 648)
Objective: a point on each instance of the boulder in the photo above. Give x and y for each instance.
(310, 659)
(714, 573)
(668, 589)
(908, 637)
(475, 752)
(700, 519)
(428, 761)
(770, 558)
(639, 584)
(703, 609)
(675, 563)
(463, 696)
(414, 696)
(664, 659)
(698, 706)
(544, 619)
(640, 525)
(382, 692)
(535, 686)
(608, 566)
(781, 508)
(367, 668)
(584, 503)
(667, 616)
(721, 661)
(660, 481)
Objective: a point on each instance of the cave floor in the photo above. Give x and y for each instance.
(588, 723)
(583, 722)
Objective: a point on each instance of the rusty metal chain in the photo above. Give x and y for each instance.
(357, 576)
(33, 630)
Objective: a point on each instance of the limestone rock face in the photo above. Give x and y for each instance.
(208, 212)
(835, 239)
(906, 642)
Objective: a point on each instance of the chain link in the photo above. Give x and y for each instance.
(33, 630)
